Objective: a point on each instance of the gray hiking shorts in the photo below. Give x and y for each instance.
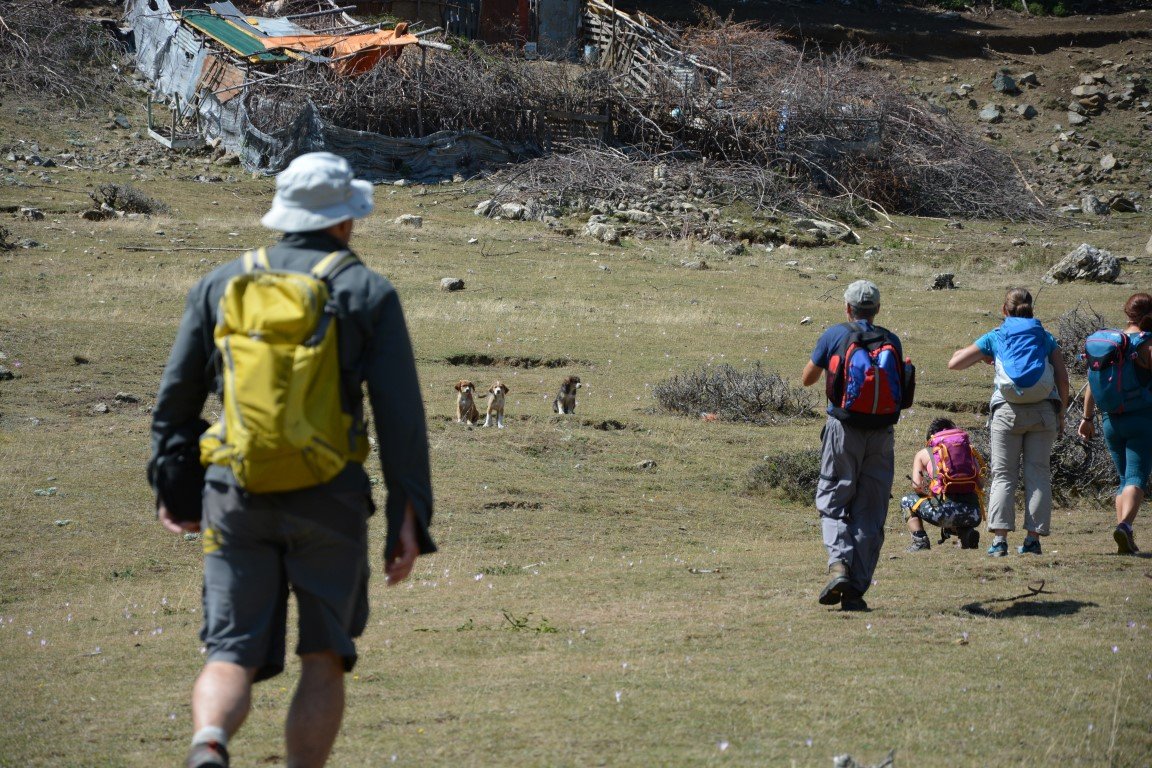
(257, 547)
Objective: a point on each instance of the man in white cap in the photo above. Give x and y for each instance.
(312, 542)
(865, 373)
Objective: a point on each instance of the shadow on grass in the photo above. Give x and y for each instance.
(1046, 608)
(1023, 605)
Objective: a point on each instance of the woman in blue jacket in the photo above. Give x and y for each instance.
(1030, 393)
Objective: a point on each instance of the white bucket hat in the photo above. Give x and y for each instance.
(315, 191)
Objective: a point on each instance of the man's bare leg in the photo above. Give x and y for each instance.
(317, 710)
(222, 696)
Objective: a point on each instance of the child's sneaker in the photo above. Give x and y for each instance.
(1125, 541)
(919, 543)
(998, 549)
(1029, 547)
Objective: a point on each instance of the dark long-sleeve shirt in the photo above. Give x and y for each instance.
(375, 349)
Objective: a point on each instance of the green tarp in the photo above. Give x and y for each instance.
(230, 36)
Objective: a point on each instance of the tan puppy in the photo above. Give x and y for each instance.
(466, 411)
(565, 401)
(496, 404)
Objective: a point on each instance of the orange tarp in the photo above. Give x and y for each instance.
(351, 54)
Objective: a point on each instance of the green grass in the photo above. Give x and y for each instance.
(582, 611)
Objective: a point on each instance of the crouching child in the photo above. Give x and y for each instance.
(947, 475)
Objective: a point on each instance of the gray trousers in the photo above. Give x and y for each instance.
(1029, 431)
(856, 470)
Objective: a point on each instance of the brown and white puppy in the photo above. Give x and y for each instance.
(496, 404)
(565, 401)
(466, 411)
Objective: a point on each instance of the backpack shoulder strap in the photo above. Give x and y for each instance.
(333, 264)
(257, 260)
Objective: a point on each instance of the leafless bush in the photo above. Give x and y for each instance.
(1080, 469)
(1072, 329)
(126, 199)
(752, 395)
(45, 47)
(794, 474)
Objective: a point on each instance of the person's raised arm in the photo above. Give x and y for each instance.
(966, 358)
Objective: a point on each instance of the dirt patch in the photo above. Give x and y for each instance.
(513, 361)
(513, 505)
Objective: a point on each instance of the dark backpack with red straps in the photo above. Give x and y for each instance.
(868, 383)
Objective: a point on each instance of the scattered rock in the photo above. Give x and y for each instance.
(1028, 78)
(1077, 119)
(101, 408)
(807, 320)
(1026, 111)
(646, 464)
(602, 232)
(697, 264)
(1093, 205)
(124, 397)
(409, 220)
(1085, 263)
(991, 113)
(1108, 162)
(80, 360)
(736, 249)
(8, 375)
(31, 214)
(1121, 204)
(1002, 82)
(451, 284)
(1019, 241)
(97, 214)
(485, 207)
(943, 282)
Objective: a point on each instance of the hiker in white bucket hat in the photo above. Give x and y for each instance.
(314, 192)
(299, 534)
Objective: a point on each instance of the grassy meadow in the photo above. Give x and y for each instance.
(586, 608)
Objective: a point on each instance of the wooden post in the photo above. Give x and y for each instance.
(420, 96)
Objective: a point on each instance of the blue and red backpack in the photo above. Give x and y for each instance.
(1118, 384)
(867, 382)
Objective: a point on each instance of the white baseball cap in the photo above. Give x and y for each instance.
(315, 191)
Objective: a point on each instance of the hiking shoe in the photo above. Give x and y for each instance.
(210, 754)
(1029, 547)
(919, 544)
(969, 538)
(1125, 541)
(854, 603)
(833, 591)
(998, 549)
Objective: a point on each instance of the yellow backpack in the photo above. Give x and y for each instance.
(283, 426)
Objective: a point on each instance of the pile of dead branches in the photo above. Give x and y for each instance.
(723, 392)
(1072, 330)
(47, 48)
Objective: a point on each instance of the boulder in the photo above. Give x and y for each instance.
(1121, 204)
(451, 284)
(513, 211)
(485, 207)
(1026, 111)
(1085, 263)
(31, 214)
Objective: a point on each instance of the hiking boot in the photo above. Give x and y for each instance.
(854, 603)
(998, 549)
(1029, 547)
(969, 538)
(1125, 541)
(919, 544)
(210, 754)
(833, 591)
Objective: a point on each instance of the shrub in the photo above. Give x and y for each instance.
(752, 395)
(794, 474)
(126, 198)
(1072, 329)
